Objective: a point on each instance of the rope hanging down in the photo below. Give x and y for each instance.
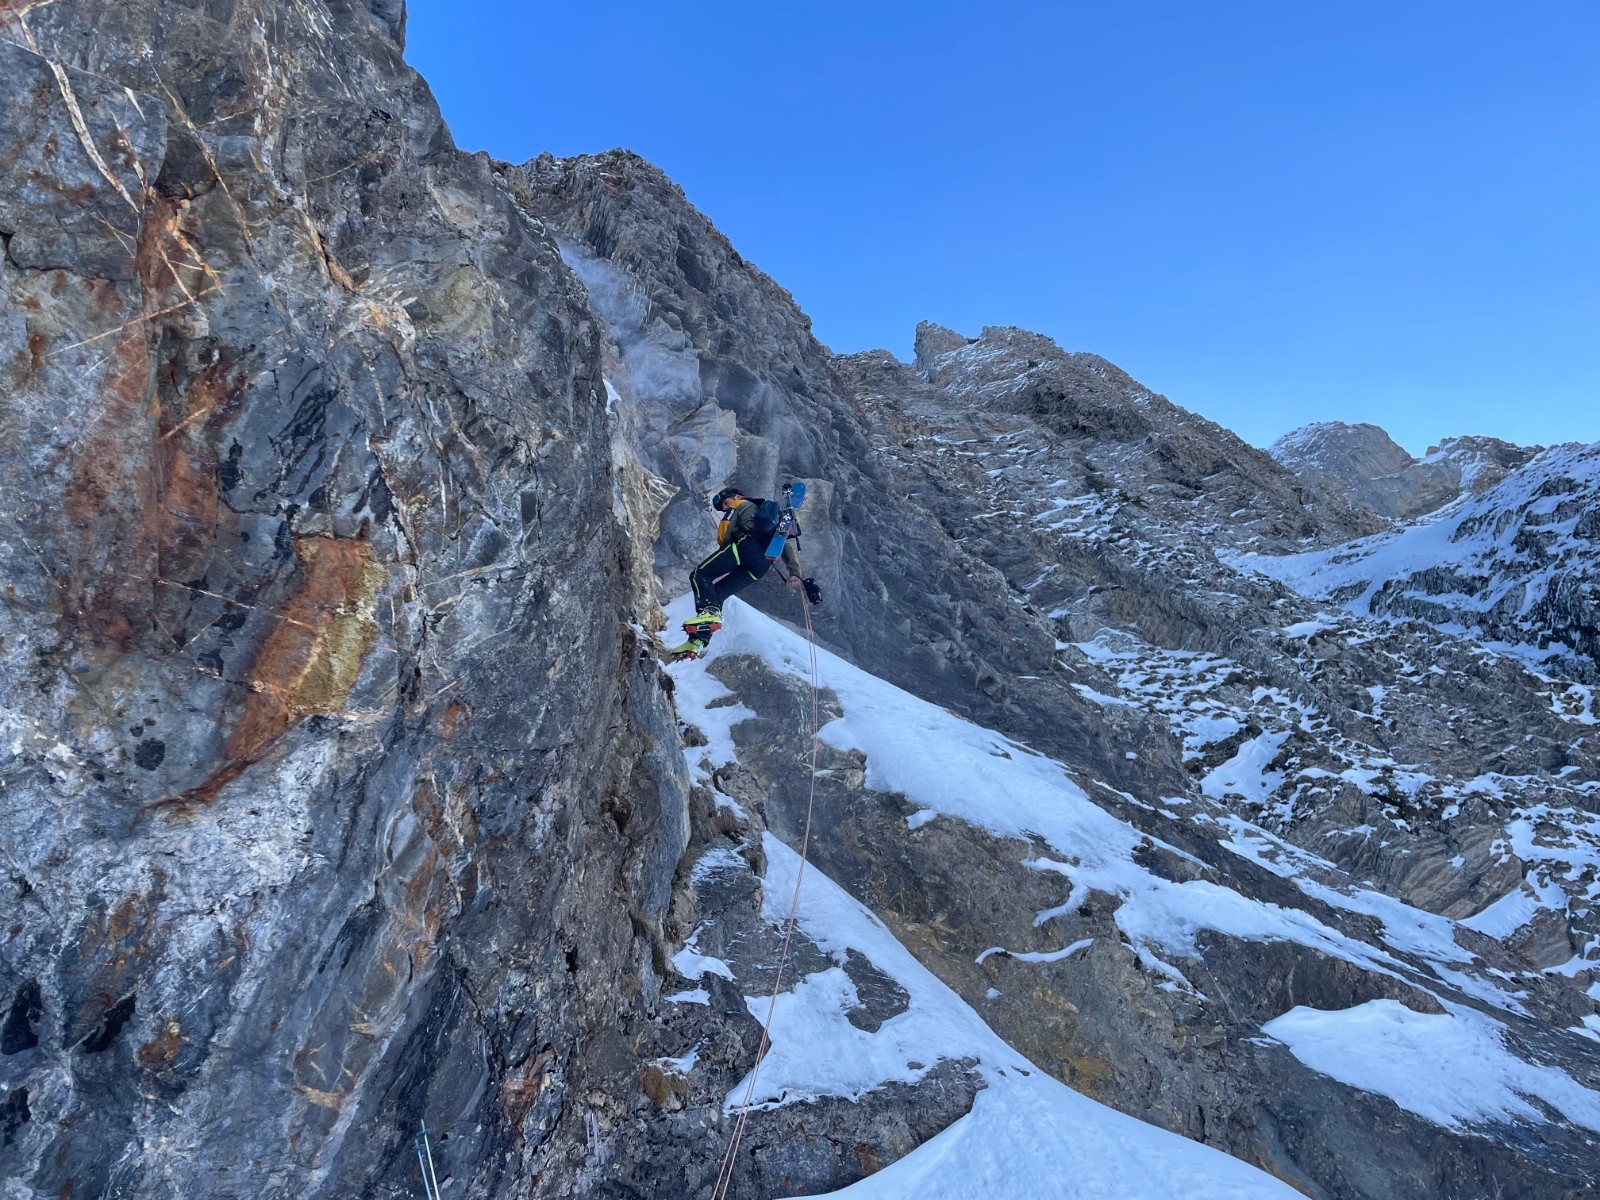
(725, 1173)
(731, 1155)
(430, 1178)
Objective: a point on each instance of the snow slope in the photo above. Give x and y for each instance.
(1452, 1068)
(956, 769)
(1028, 1135)
(1517, 564)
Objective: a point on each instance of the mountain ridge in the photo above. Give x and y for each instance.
(1364, 462)
(350, 475)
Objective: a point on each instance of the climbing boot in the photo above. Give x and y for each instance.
(693, 648)
(708, 621)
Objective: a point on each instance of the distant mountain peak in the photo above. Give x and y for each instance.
(1320, 436)
(1361, 461)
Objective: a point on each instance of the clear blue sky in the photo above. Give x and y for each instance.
(1272, 212)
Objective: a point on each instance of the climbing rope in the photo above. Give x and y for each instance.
(430, 1178)
(725, 1172)
(731, 1155)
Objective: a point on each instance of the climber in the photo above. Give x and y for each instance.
(747, 544)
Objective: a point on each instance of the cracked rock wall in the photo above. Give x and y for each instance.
(333, 794)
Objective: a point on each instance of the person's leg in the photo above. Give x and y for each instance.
(737, 580)
(702, 580)
(719, 577)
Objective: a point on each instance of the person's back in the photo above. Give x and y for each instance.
(740, 559)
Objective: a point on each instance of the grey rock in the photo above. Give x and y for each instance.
(932, 341)
(344, 474)
(302, 809)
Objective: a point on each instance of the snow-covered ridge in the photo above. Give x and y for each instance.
(1517, 565)
(1362, 464)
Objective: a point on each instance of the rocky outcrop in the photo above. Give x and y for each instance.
(933, 340)
(1480, 462)
(1126, 436)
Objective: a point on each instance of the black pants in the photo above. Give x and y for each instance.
(731, 569)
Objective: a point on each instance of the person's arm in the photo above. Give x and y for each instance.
(791, 560)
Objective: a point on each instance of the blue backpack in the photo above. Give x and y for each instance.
(768, 515)
(784, 525)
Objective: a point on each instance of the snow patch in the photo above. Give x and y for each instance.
(1248, 773)
(1452, 1068)
(1026, 1135)
(1037, 956)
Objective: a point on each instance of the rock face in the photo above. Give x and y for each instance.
(1125, 435)
(316, 598)
(1362, 464)
(1072, 509)
(345, 472)
(730, 386)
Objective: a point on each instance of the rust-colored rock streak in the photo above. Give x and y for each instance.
(310, 660)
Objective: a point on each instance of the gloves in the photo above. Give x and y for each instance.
(813, 592)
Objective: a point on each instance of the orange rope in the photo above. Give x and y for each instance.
(730, 1157)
